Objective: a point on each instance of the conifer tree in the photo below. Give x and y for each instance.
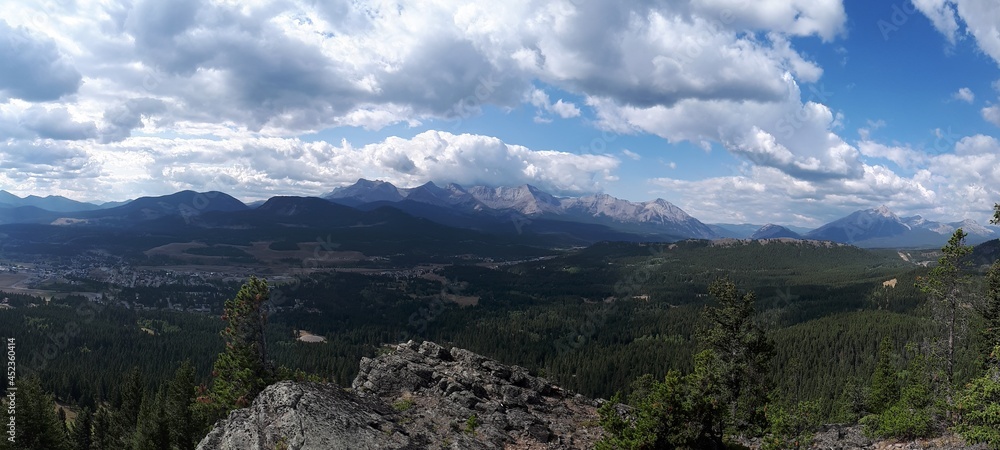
(242, 370)
(81, 434)
(991, 307)
(38, 426)
(152, 430)
(103, 437)
(946, 289)
(130, 399)
(184, 427)
(884, 390)
(740, 354)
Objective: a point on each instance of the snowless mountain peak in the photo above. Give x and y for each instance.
(656, 216)
(884, 211)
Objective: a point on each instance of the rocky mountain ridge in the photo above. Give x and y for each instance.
(416, 396)
(529, 201)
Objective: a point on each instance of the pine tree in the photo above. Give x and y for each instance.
(130, 399)
(181, 394)
(104, 437)
(884, 390)
(81, 433)
(152, 431)
(242, 370)
(946, 289)
(979, 406)
(991, 307)
(740, 354)
(38, 426)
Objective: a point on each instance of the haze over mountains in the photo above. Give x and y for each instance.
(523, 209)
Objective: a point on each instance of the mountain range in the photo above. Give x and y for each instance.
(505, 210)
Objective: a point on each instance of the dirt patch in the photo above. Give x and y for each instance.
(461, 300)
(308, 251)
(305, 336)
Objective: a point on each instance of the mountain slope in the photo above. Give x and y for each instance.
(655, 219)
(877, 223)
(53, 203)
(772, 231)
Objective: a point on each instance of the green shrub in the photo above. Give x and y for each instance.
(979, 408)
(792, 428)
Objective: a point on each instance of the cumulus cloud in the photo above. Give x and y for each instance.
(286, 67)
(978, 18)
(121, 119)
(262, 167)
(959, 183)
(789, 135)
(44, 160)
(34, 68)
(768, 195)
(991, 114)
(964, 94)
(540, 100)
(56, 123)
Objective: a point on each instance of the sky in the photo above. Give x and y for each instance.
(739, 111)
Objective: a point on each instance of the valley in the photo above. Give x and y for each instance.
(142, 290)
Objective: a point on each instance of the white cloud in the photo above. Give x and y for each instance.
(631, 154)
(540, 100)
(789, 135)
(902, 156)
(964, 94)
(262, 167)
(767, 195)
(872, 125)
(979, 17)
(942, 14)
(963, 182)
(991, 114)
(283, 67)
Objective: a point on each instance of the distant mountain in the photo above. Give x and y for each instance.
(657, 217)
(53, 203)
(880, 227)
(734, 230)
(525, 199)
(772, 231)
(25, 214)
(365, 191)
(106, 205)
(986, 253)
(8, 199)
(975, 231)
(184, 204)
(861, 226)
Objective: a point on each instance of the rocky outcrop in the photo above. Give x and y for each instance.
(290, 415)
(415, 396)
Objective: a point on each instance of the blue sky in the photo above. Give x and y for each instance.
(784, 111)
